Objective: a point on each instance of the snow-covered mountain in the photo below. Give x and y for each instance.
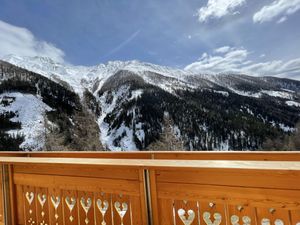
(131, 105)
(81, 77)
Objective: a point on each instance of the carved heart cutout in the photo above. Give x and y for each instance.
(86, 204)
(278, 222)
(265, 221)
(29, 197)
(70, 203)
(102, 206)
(184, 219)
(121, 211)
(55, 202)
(235, 220)
(42, 199)
(207, 220)
(246, 220)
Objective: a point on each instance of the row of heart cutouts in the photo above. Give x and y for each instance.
(121, 208)
(188, 218)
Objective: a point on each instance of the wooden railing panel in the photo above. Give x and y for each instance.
(214, 197)
(107, 191)
(78, 200)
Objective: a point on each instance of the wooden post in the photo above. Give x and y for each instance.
(148, 197)
(6, 195)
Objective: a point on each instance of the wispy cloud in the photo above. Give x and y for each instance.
(236, 60)
(218, 8)
(20, 41)
(123, 44)
(277, 9)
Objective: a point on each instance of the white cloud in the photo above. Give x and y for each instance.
(218, 9)
(236, 60)
(282, 19)
(223, 49)
(278, 8)
(20, 41)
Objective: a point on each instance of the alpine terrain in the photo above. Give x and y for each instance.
(124, 106)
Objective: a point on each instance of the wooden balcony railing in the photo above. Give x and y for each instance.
(150, 188)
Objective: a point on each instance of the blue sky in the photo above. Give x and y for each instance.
(260, 37)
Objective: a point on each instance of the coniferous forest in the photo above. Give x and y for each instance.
(138, 114)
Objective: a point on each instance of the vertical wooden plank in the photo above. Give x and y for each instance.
(1, 197)
(121, 209)
(143, 200)
(272, 215)
(12, 199)
(186, 212)
(42, 207)
(56, 206)
(86, 208)
(103, 209)
(20, 204)
(30, 205)
(137, 213)
(212, 213)
(9, 200)
(154, 198)
(165, 209)
(70, 207)
(295, 217)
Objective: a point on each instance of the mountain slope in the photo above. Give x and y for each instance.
(127, 104)
(36, 112)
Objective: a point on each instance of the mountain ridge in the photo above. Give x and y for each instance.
(134, 104)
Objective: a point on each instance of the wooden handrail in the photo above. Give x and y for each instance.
(159, 189)
(210, 155)
(158, 164)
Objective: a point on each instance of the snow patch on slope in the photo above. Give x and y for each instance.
(278, 94)
(293, 103)
(30, 111)
(108, 135)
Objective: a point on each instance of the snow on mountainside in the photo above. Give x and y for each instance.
(169, 79)
(80, 77)
(129, 101)
(29, 110)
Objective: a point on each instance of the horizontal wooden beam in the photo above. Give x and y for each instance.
(158, 164)
(209, 155)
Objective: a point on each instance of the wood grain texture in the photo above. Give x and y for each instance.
(211, 155)
(1, 197)
(240, 192)
(156, 164)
